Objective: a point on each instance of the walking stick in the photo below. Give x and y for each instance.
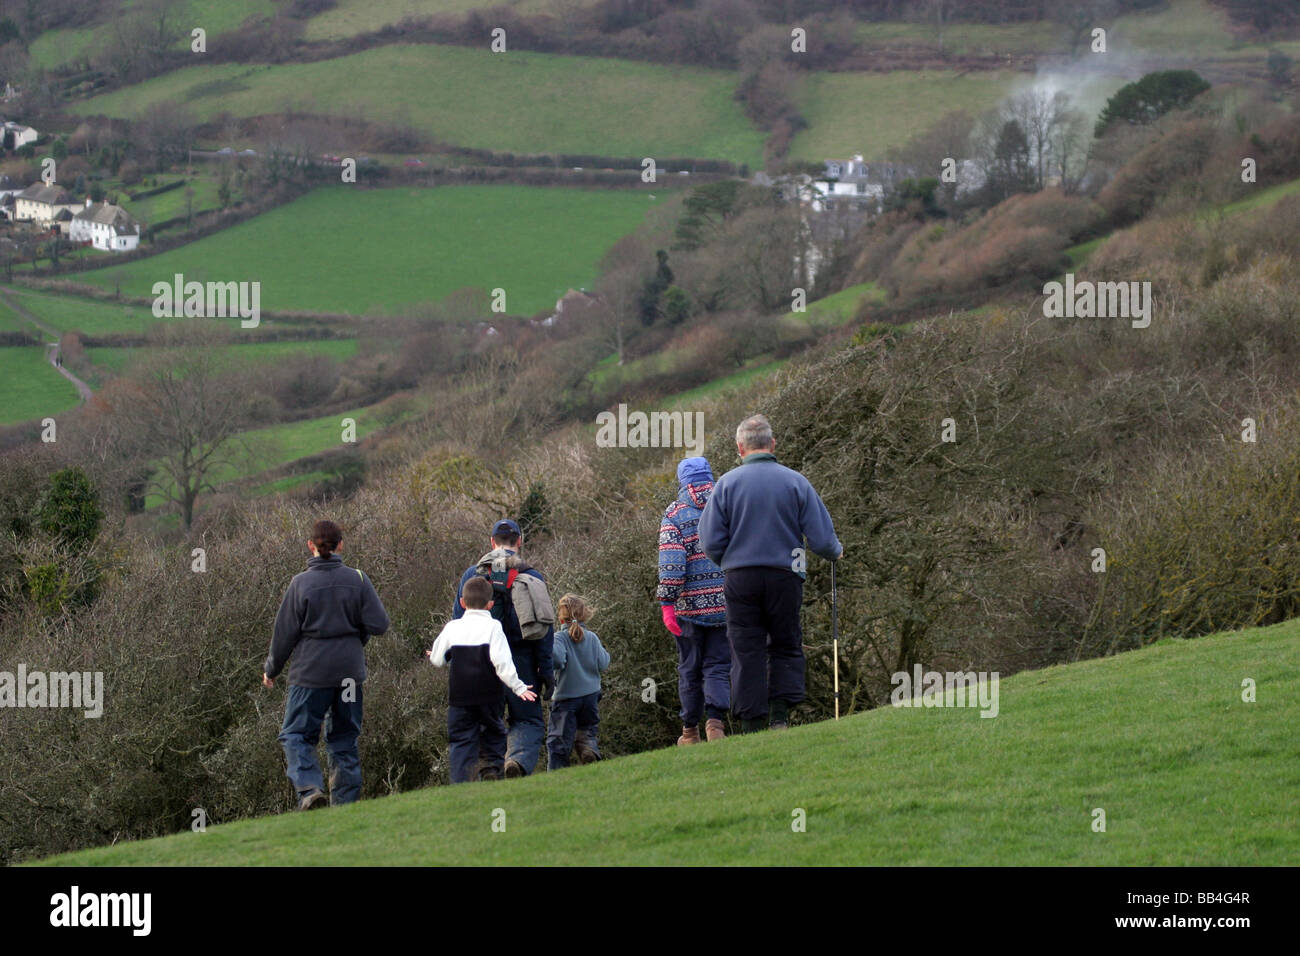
(835, 638)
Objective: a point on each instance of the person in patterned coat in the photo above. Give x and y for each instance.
(693, 608)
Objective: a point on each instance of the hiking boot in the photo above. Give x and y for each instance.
(713, 729)
(778, 712)
(489, 773)
(313, 800)
(583, 751)
(752, 725)
(690, 735)
(514, 769)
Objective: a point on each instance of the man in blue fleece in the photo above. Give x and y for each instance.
(754, 527)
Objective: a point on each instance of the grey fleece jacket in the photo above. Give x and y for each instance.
(325, 619)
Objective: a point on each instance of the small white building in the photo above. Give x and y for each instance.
(16, 135)
(105, 227)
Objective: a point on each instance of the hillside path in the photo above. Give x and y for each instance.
(53, 351)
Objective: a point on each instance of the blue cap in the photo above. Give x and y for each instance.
(694, 470)
(505, 526)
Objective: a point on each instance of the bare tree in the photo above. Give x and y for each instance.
(1078, 18)
(763, 252)
(186, 418)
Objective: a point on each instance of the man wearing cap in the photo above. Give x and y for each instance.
(754, 527)
(693, 609)
(523, 606)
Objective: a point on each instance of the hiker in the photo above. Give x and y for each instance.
(480, 664)
(693, 609)
(328, 614)
(579, 661)
(754, 527)
(523, 606)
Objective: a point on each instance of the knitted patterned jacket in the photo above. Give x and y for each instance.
(687, 578)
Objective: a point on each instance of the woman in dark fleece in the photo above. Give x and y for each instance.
(326, 617)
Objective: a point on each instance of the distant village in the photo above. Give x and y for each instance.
(43, 210)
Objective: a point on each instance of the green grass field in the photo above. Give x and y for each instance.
(839, 307)
(344, 249)
(868, 113)
(90, 316)
(349, 17)
(169, 205)
(1160, 739)
(55, 47)
(517, 101)
(29, 388)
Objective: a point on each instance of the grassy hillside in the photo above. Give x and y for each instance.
(347, 249)
(56, 47)
(350, 17)
(30, 388)
(1186, 772)
(73, 314)
(516, 101)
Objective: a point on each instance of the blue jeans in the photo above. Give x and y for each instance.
(703, 671)
(527, 725)
(475, 734)
(305, 711)
(576, 715)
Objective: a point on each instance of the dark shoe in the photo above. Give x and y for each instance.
(778, 712)
(313, 800)
(690, 735)
(514, 769)
(714, 730)
(750, 726)
(489, 773)
(583, 751)
(780, 725)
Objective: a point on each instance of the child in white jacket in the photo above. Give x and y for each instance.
(481, 663)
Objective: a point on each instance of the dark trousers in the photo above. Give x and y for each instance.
(570, 717)
(703, 671)
(305, 711)
(527, 725)
(476, 736)
(766, 639)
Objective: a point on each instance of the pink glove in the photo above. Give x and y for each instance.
(670, 619)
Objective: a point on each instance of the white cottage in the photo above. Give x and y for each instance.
(106, 227)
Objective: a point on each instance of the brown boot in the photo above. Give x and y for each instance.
(713, 729)
(690, 735)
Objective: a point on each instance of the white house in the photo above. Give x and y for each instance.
(16, 135)
(106, 227)
(40, 204)
(855, 182)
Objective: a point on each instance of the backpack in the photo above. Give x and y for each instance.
(503, 606)
(537, 604)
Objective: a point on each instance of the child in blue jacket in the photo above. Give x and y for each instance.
(575, 711)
